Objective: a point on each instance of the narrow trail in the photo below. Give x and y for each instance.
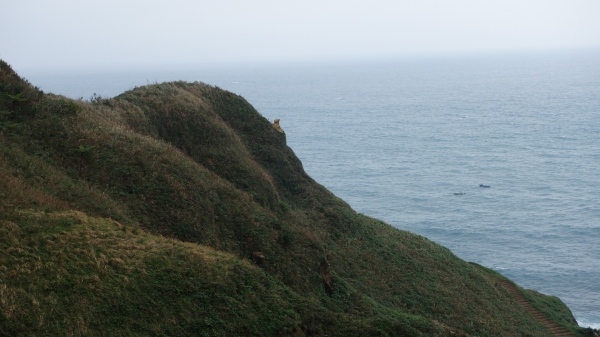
(554, 328)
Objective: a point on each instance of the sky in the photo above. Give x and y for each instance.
(80, 33)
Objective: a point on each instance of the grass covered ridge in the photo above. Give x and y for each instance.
(66, 273)
(176, 209)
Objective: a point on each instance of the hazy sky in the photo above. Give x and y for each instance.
(37, 33)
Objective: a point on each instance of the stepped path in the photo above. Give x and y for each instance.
(554, 328)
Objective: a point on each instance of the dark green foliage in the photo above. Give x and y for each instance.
(8, 124)
(287, 236)
(62, 107)
(589, 332)
(83, 151)
(17, 98)
(16, 95)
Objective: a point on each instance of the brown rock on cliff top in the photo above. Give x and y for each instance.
(276, 125)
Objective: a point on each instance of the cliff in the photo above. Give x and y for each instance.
(177, 209)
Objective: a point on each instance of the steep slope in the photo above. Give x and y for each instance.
(199, 165)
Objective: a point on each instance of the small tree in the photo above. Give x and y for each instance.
(83, 151)
(4, 122)
(16, 98)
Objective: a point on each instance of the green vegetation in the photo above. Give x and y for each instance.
(553, 308)
(176, 209)
(70, 274)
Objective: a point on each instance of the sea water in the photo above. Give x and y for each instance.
(410, 142)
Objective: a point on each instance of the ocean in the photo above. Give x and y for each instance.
(409, 141)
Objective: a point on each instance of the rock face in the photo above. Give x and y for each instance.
(276, 125)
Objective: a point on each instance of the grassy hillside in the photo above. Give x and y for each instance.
(176, 209)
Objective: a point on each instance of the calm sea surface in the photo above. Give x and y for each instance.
(398, 139)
